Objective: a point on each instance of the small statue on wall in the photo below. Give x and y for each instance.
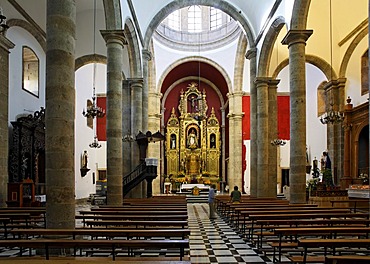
(84, 161)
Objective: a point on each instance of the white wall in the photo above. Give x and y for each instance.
(84, 135)
(20, 101)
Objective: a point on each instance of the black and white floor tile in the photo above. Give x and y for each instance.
(214, 241)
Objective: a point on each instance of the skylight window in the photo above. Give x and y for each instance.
(215, 18)
(174, 20)
(194, 19)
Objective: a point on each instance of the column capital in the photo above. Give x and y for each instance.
(135, 81)
(251, 54)
(114, 36)
(147, 55)
(296, 36)
(273, 83)
(5, 43)
(262, 80)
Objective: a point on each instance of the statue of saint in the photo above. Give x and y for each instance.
(84, 159)
(192, 139)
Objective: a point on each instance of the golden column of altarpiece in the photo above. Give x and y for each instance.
(193, 140)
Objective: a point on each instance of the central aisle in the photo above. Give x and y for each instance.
(214, 241)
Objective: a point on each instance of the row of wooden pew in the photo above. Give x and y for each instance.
(126, 228)
(285, 228)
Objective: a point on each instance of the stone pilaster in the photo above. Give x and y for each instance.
(60, 114)
(251, 56)
(5, 46)
(346, 180)
(238, 140)
(296, 41)
(230, 168)
(262, 137)
(137, 125)
(154, 124)
(273, 133)
(115, 40)
(235, 140)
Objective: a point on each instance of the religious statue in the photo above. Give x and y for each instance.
(84, 159)
(173, 141)
(192, 139)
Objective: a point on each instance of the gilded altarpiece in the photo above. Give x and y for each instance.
(193, 146)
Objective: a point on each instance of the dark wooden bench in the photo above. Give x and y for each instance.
(329, 232)
(111, 244)
(136, 223)
(130, 217)
(328, 243)
(107, 233)
(126, 212)
(349, 259)
(295, 215)
(355, 203)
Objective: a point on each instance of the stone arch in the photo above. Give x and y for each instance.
(325, 67)
(300, 14)
(194, 58)
(220, 4)
(41, 39)
(343, 67)
(113, 17)
(268, 46)
(87, 59)
(133, 49)
(239, 63)
(204, 80)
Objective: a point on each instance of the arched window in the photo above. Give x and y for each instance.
(215, 18)
(194, 19)
(174, 20)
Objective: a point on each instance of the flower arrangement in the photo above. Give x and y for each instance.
(364, 177)
(311, 184)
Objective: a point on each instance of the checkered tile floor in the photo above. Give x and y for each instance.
(213, 241)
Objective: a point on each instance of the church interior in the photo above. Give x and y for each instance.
(143, 106)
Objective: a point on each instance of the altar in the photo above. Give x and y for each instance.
(188, 187)
(193, 141)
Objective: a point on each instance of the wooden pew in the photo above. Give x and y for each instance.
(111, 244)
(354, 202)
(131, 217)
(297, 215)
(108, 233)
(136, 223)
(328, 243)
(349, 259)
(126, 212)
(329, 232)
(94, 260)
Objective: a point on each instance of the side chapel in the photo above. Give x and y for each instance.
(193, 145)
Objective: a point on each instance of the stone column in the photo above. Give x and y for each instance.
(230, 173)
(137, 125)
(223, 146)
(296, 41)
(154, 124)
(273, 133)
(5, 46)
(251, 56)
(238, 140)
(335, 136)
(128, 136)
(262, 137)
(115, 39)
(346, 180)
(60, 114)
(147, 56)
